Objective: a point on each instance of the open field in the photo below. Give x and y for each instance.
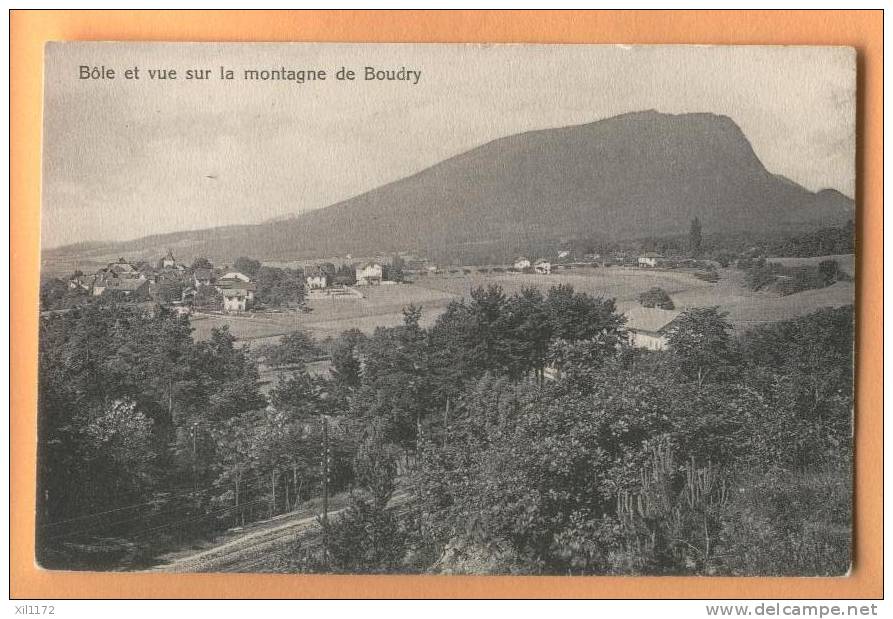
(620, 283)
(379, 306)
(382, 305)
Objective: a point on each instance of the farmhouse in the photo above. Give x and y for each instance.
(543, 267)
(234, 275)
(649, 327)
(127, 286)
(237, 290)
(369, 274)
(650, 259)
(521, 263)
(122, 268)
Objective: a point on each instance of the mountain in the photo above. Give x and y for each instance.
(631, 176)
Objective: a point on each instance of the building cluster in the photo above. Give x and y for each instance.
(144, 280)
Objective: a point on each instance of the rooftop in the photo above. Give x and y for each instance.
(651, 319)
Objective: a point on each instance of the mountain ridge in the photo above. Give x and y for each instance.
(634, 175)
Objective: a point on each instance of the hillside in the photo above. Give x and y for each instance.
(630, 176)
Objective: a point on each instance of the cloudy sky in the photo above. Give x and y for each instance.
(128, 158)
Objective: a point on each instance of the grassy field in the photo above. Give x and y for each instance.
(379, 306)
(620, 283)
(382, 305)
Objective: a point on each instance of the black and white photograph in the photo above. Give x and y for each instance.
(447, 309)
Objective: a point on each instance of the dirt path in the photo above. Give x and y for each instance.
(248, 549)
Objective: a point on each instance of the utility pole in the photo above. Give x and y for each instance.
(446, 423)
(325, 490)
(194, 473)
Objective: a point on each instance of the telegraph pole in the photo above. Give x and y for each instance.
(194, 479)
(325, 490)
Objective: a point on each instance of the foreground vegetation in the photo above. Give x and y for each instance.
(526, 434)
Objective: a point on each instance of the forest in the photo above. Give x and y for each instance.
(521, 434)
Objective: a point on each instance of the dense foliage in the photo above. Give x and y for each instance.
(518, 434)
(656, 297)
(762, 274)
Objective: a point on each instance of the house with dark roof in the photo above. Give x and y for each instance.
(129, 286)
(648, 327)
(122, 268)
(237, 290)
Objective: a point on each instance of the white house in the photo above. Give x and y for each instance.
(563, 254)
(236, 299)
(649, 327)
(315, 279)
(237, 290)
(650, 259)
(543, 267)
(369, 274)
(521, 263)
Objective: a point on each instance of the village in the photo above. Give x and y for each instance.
(261, 302)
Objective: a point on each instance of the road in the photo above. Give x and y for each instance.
(245, 549)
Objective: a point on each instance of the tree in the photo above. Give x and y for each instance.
(346, 366)
(700, 342)
(346, 275)
(208, 297)
(201, 263)
(694, 237)
(294, 348)
(248, 266)
(279, 287)
(830, 271)
(53, 293)
(168, 290)
(395, 270)
(656, 297)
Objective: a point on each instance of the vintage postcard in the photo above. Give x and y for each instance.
(447, 309)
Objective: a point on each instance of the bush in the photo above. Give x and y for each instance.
(656, 297)
(709, 275)
(365, 539)
(790, 523)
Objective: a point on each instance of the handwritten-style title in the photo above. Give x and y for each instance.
(276, 74)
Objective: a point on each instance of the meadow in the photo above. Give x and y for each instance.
(382, 305)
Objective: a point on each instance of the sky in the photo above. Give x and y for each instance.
(126, 158)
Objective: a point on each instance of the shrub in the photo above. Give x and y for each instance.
(709, 275)
(790, 522)
(656, 297)
(365, 539)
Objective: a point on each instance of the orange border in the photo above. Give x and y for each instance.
(31, 29)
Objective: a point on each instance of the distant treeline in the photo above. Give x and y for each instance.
(724, 247)
(764, 274)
